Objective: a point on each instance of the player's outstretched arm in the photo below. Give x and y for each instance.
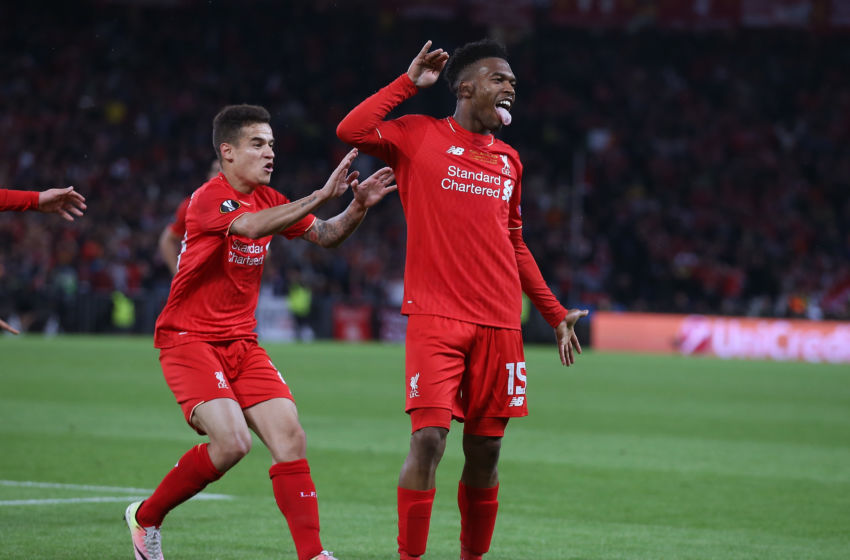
(4, 326)
(66, 202)
(331, 233)
(274, 220)
(566, 336)
(426, 66)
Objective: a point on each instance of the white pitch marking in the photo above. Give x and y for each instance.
(88, 487)
(131, 493)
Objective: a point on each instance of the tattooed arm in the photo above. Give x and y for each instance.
(272, 220)
(331, 233)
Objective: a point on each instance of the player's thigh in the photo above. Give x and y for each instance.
(195, 373)
(495, 383)
(435, 356)
(276, 422)
(223, 421)
(256, 378)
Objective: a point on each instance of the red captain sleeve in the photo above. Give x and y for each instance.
(365, 128)
(533, 284)
(18, 200)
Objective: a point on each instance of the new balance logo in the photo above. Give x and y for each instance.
(222, 383)
(414, 386)
(516, 401)
(455, 151)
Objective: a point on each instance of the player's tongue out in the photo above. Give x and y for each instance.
(505, 115)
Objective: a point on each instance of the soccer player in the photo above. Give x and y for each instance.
(66, 202)
(223, 380)
(466, 267)
(171, 238)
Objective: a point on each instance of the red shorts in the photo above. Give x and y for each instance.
(241, 370)
(465, 371)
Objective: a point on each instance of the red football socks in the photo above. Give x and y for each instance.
(414, 519)
(189, 476)
(478, 507)
(295, 495)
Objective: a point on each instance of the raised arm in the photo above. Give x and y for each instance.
(274, 220)
(360, 126)
(332, 232)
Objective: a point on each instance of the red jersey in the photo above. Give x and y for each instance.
(214, 293)
(18, 200)
(461, 196)
(178, 226)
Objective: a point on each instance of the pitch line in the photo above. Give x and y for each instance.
(131, 493)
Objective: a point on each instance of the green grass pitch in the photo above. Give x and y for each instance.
(623, 457)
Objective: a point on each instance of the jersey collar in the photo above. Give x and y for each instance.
(479, 139)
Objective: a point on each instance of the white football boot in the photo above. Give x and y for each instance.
(147, 541)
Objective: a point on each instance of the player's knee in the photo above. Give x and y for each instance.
(232, 447)
(482, 451)
(287, 443)
(428, 444)
(297, 441)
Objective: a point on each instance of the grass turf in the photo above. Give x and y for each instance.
(623, 457)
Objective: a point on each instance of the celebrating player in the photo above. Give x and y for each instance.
(466, 267)
(223, 380)
(171, 238)
(66, 202)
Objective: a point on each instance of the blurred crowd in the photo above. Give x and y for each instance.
(705, 173)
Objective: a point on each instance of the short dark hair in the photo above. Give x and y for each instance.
(469, 53)
(228, 123)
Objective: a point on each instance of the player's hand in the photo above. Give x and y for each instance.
(426, 67)
(66, 202)
(4, 326)
(340, 179)
(376, 187)
(566, 336)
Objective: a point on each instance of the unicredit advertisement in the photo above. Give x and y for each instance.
(723, 337)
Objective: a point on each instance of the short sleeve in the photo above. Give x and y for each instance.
(212, 210)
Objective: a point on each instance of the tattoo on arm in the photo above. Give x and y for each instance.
(332, 232)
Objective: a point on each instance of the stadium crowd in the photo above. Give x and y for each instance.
(665, 172)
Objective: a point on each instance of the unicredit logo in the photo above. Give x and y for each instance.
(776, 340)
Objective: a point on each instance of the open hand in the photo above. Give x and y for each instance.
(66, 202)
(376, 187)
(340, 179)
(566, 336)
(426, 67)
